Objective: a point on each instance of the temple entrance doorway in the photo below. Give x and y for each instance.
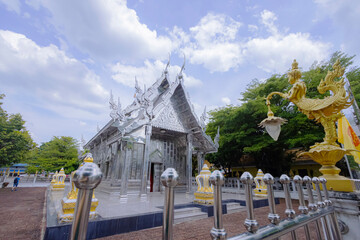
(155, 175)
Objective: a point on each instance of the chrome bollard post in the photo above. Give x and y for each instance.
(320, 203)
(333, 219)
(169, 180)
(86, 178)
(272, 216)
(217, 232)
(302, 207)
(289, 211)
(285, 181)
(326, 193)
(311, 205)
(250, 223)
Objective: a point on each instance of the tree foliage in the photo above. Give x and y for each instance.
(240, 133)
(15, 140)
(57, 153)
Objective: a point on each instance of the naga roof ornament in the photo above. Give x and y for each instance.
(180, 76)
(167, 66)
(203, 118)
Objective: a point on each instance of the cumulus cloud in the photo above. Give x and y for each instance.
(215, 43)
(268, 18)
(106, 29)
(212, 43)
(53, 81)
(148, 74)
(275, 52)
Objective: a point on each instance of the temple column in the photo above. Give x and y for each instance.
(115, 172)
(125, 170)
(189, 149)
(145, 169)
(111, 164)
(200, 159)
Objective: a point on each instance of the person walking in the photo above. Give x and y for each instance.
(16, 183)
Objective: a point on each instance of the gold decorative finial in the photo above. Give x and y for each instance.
(294, 65)
(88, 159)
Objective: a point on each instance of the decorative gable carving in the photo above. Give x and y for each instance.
(168, 119)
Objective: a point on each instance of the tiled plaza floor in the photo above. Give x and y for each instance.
(21, 213)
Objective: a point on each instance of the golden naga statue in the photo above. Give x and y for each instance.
(325, 111)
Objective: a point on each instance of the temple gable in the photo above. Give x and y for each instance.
(169, 119)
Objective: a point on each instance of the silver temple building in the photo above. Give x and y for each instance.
(158, 130)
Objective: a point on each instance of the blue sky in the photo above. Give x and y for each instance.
(60, 59)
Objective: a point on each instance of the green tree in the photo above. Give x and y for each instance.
(57, 153)
(15, 140)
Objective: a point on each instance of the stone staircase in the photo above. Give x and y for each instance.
(188, 214)
(234, 207)
(195, 213)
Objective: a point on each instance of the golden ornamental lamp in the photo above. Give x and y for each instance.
(325, 111)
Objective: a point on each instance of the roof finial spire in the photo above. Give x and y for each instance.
(183, 66)
(167, 65)
(203, 120)
(180, 76)
(138, 90)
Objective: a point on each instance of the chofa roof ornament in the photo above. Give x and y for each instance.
(180, 76)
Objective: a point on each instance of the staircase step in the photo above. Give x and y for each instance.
(188, 214)
(234, 207)
(187, 210)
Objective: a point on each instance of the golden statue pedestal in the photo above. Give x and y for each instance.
(68, 203)
(204, 193)
(328, 156)
(261, 188)
(59, 184)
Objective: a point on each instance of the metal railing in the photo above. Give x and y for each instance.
(319, 213)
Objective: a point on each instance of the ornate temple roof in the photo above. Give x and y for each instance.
(166, 106)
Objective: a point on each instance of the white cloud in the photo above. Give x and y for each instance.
(12, 5)
(226, 100)
(106, 29)
(212, 43)
(148, 74)
(52, 80)
(268, 19)
(275, 53)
